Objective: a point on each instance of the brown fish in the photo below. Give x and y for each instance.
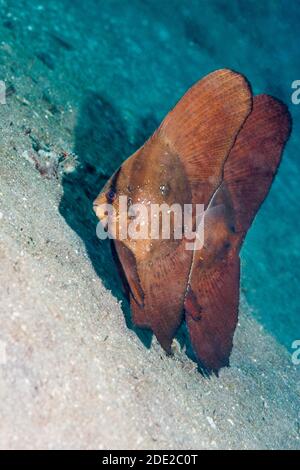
(211, 149)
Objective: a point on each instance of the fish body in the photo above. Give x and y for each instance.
(219, 148)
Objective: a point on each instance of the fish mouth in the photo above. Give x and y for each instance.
(103, 220)
(104, 223)
(101, 213)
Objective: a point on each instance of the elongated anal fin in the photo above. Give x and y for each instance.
(164, 283)
(212, 313)
(211, 303)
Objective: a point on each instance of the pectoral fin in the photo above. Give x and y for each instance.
(129, 268)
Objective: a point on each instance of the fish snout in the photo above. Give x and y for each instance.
(100, 207)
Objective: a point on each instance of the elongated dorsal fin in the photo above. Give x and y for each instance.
(255, 158)
(203, 126)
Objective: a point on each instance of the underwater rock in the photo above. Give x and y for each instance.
(50, 164)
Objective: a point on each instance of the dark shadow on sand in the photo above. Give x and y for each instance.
(101, 144)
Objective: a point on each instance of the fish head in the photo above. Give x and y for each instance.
(152, 176)
(126, 188)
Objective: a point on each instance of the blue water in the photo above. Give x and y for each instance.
(140, 56)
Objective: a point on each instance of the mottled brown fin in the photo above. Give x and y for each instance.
(212, 300)
(164, 282)
(255, 157)
(129, 266)
(212, 313)
(203, 126)
(211, 303)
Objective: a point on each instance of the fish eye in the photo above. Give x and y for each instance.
(164, 189)
(110, 195)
